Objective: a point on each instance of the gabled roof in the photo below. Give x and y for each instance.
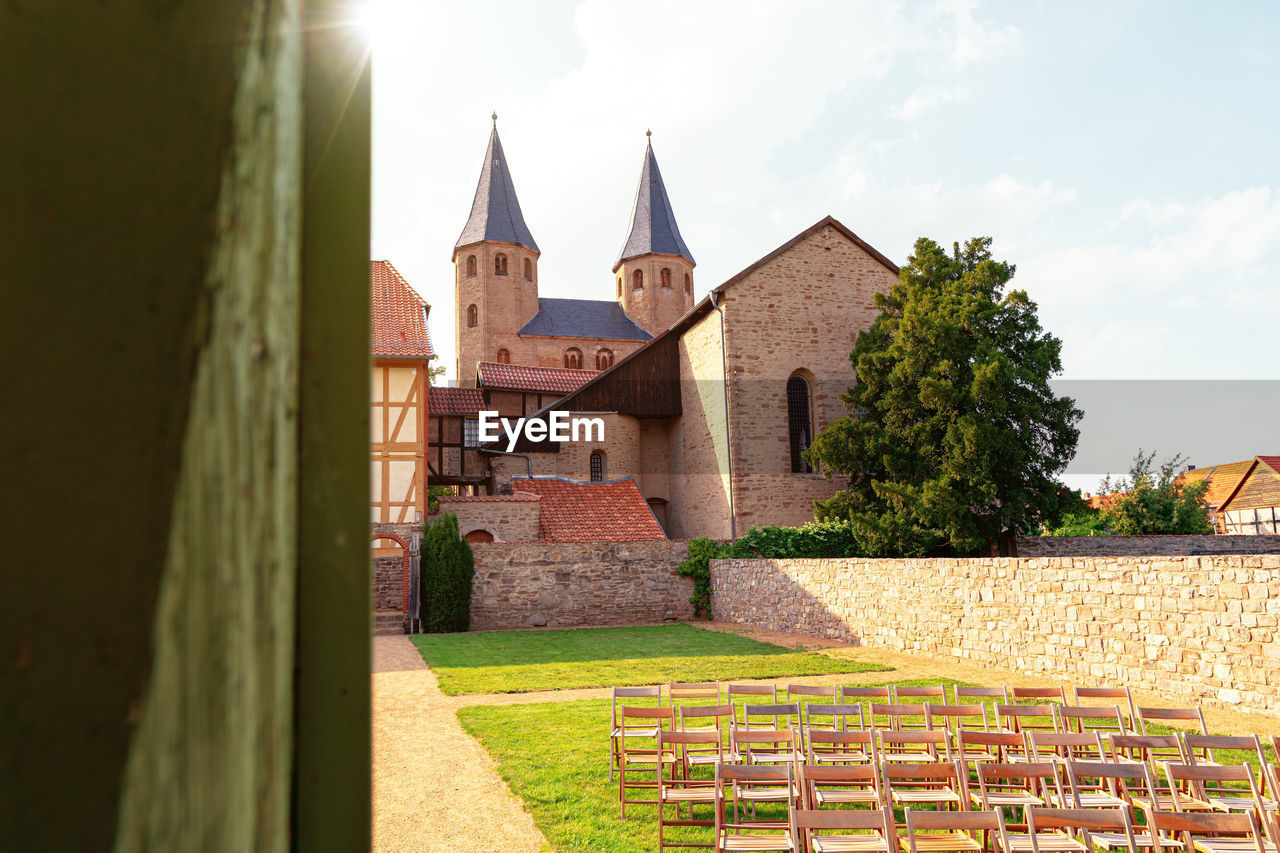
(574, 511)
(495, 211)
(519, 377)
(454, 401)
(583, 318)
(653, 228)
(398, 315)
(1223, 479)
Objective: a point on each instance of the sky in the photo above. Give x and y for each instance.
(1124, 155)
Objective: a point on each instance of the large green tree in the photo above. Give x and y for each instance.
(955, 435)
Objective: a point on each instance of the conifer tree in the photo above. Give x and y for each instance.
(447, 570)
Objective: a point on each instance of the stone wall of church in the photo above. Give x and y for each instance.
(799, 313)
(504, 303)
(697, 451)
(621, 448)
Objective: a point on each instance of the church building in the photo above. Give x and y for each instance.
(707, 405)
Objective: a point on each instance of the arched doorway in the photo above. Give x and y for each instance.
(385, 618)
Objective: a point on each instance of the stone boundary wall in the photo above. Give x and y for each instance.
(1195, 628)
(388, 583)
(569, 584)
(1144, 546)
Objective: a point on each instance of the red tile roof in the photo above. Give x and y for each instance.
(1272, 461)
(517, 496)
(573, 511)
(398, 315)
(454, 401)
(519, 377)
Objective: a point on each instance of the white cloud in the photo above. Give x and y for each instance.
(930, 96)
(975, 40)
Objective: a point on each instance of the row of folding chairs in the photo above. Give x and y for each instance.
(1052, 824)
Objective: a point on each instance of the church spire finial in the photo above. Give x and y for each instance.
(495, 119)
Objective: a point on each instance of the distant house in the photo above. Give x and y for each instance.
(1243, 497)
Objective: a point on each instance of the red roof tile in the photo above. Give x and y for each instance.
(398, 315)
(519, 377)
(518, 496)
(573, 511)
(1272, 461)
(454, 401)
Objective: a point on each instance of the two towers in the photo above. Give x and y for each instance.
(496, 267)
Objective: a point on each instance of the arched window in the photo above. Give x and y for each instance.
(637, 280)
(471, 266)
(666, 278)
(573, 358)
(528, 270)
(503, 357)
(597, 466)
(688, 284)
(500, 264)
(619, 287)
(604, 359)
(799, 423)
(473, 315)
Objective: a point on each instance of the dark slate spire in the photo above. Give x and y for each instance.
(495, 213)
(653, 225)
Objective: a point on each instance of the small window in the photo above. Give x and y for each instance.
(500, 264)
(471, 266)
(666, 278)
(503, 357)
(604, 359)
(799, 423)
(473, 316)
(619, 287)
(688, 284)
(637, 280)
(597, 467)
(528, 270)
(573, 358)
(471, 432)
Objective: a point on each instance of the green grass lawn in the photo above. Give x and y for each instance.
(520, 661)
(554, 755)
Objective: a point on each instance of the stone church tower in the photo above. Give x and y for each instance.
(495, 264)
(654, 272)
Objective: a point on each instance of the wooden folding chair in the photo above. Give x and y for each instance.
(1027, 718)
(678, 788)
(849, 784)
(1049, 829)
(646, 757)
(691, 691)
(1014, 786)
(954, 832)
(840, 718)
(981, 747)
(1183, 718)
(1208, 832)
(1066, 746)
(1091, 718)
(1087, 696)
(911, 695)
(941, 784)
(953, 719)
(859, 693)
(702, 719)
(1053, 694)
(898, 716)
(766, 746)
(1151, 750)
(1208, 749)
(616, 730)
(993, 695)
(914, 746)
(823, 746)
(1210, 787)
(743, 786)
(742, 693)
(771, 716)
(802, 694)
(844, 831)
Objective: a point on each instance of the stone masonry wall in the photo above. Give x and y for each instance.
(1196, 628)
(561, 585)
(1138, 546)
(509, 518)
(388, 583)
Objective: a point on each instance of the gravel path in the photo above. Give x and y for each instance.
(434, 788)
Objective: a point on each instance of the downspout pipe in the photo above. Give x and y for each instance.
(728, 444)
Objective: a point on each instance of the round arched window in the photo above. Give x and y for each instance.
(503, 357)
(471, 266)
(604, 359)
(500, 264)
(666, 278)
(637, 280)
(473, 315)
(528, 270)
(688, 284)
(597, 466)
(573, 358)
(799, 422)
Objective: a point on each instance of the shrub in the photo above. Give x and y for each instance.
(447, 570)
(813, 540)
